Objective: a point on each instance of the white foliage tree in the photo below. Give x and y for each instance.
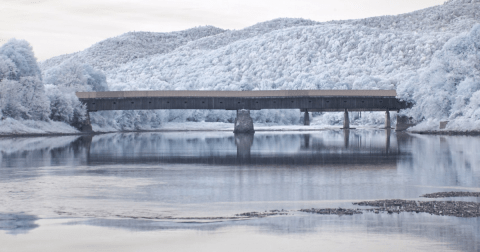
(22, 91)
(66, 79)
(65, 105)
(76, 76)
(8, 70)
(451, 85)
(20, 53)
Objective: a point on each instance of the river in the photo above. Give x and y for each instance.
(184, 191)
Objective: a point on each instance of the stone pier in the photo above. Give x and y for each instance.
(388, 124)
(346, 120)
(306, 118)
(243, 122)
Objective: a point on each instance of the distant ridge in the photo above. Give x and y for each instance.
(112, 52)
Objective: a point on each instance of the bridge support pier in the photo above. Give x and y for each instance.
(306, 118)
(346, 120)
(387, 120)
(243, 122)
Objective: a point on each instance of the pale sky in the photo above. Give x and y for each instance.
(55, 27)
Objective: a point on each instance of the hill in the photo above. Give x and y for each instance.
(419, 54)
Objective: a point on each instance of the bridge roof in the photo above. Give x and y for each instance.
(260, 93)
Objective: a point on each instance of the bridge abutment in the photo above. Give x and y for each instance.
(404, 122)
(243, 122)
(85, 125)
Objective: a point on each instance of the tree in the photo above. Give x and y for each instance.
(20, 53)
(22, 91)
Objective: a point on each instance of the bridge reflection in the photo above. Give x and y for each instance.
(356, 145)
(333, 148)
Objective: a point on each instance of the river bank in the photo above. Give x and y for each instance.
(447, 133)
(27, 128)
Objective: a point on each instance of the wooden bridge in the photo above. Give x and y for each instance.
(244, 101)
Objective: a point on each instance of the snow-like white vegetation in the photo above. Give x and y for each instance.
(111, 53)
(22, 93)
(10, 126)
(76, 76)
(431, 57)
(454, 16)
(27, 106)
(449, 88)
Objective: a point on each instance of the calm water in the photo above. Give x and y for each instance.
(160, 191)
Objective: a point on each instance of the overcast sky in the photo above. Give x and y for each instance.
(55, 27)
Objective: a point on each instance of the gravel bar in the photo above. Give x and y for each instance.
(444, 208)
(262, 214)
(451, 194)
(335, 211)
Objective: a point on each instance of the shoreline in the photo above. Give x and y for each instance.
(444, 133)
(452, 208)
(447, 133)
(52, 134)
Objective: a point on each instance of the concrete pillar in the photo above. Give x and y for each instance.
(306, 118)
(243, 122)
(387, 120)
(346, 120)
